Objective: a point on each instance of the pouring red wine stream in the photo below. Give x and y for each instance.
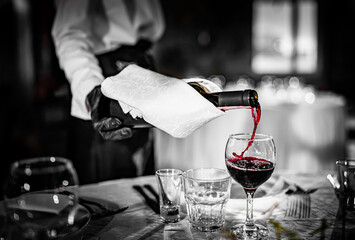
(256, 114)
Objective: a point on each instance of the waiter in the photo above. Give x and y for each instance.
(95, 39)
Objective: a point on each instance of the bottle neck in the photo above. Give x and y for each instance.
(228, 100)
(238, 99)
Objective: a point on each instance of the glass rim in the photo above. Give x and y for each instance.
(206, 180)
(168, 172)
(247, 136)
(24, 164)
(345, 162)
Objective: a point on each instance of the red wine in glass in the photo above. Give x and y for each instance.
(250, 172)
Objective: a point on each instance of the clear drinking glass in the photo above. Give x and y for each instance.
(40, 197)
(169, 185)
(206, 190)
(250, 162)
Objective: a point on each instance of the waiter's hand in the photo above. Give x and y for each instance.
(107, 116)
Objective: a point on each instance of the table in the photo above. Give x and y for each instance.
(140, 222)
(308, 137)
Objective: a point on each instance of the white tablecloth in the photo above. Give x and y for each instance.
(308, 137)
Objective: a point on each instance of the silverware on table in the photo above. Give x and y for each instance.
(153, 204)
(299, 205)
(299, 202)
(98, 210)
(152, 190)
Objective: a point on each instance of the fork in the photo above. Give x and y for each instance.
(299, 205)
(149, 201)
(299, 202)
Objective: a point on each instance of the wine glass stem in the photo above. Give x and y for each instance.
(249, 222)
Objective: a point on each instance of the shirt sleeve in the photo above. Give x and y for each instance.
(71, 35)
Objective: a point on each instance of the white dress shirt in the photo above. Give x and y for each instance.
(84, 28)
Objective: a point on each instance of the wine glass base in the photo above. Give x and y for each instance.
(259, 232)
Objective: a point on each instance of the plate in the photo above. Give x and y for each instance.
(81, 219)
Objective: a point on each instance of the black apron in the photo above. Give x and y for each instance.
(96, 159)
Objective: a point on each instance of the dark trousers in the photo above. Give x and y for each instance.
(96, 159)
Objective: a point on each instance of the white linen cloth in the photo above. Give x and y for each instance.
(85, 28)
(271, 203)
(167, 103)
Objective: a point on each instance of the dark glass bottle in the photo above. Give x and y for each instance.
(223, 100)
(228, 99)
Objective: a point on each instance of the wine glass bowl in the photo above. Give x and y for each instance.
(36, 174)
(40, 197)
(250, 160)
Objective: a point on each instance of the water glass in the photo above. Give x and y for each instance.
(207, 190)
(169, 187)
(346, 176)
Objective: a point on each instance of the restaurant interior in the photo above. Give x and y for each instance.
(297, 54)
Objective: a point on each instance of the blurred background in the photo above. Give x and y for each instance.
(298, 54)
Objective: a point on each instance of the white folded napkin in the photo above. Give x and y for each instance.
(263, 208)
(270, 204)
(165, 102)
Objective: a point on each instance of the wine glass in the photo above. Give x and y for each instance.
(250, 161)
(40, 197)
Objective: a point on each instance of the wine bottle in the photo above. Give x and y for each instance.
(228, 99)
(224, 100)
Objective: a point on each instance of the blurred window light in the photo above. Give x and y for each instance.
(284, 37)
(310, 98)
(294, 82)
(281, 94)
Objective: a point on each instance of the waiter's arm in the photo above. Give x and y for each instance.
(71, 34)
